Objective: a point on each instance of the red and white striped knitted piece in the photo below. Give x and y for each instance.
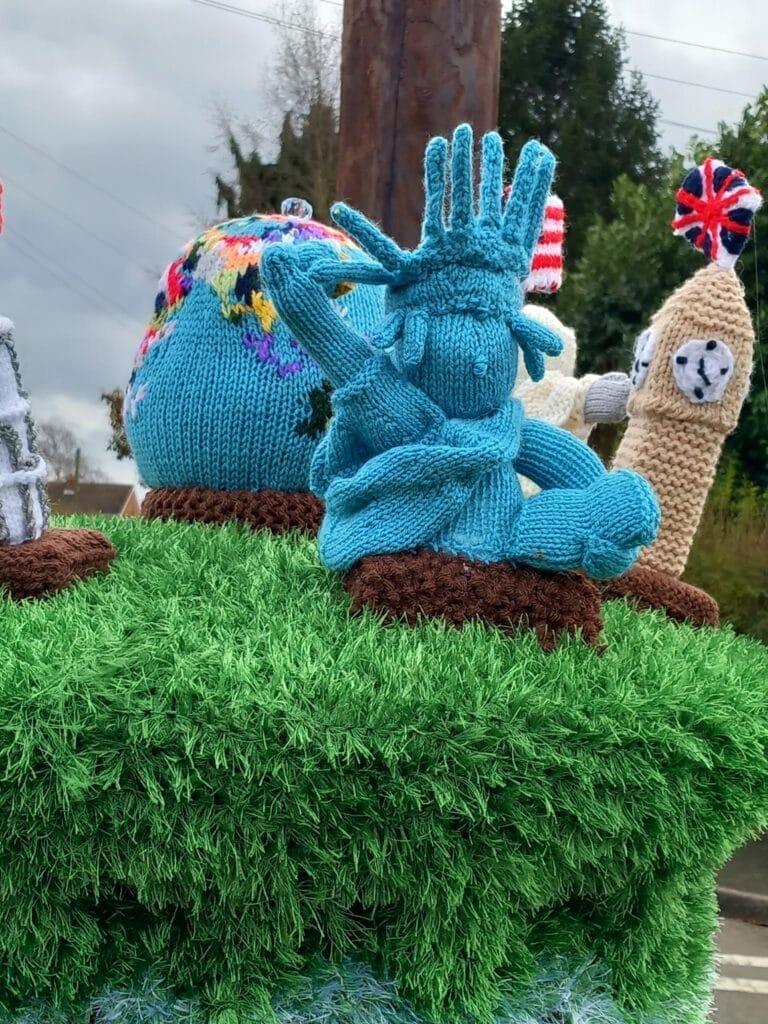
(547, 267)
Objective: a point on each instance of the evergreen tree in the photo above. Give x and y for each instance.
(564, 80)
(305, 167)
(631, 261)
(304, 85)
(254, 185)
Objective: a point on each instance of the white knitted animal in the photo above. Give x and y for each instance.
(575, 404)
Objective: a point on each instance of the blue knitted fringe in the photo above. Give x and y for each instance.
(351, 994)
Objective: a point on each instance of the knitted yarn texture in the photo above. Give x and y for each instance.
(691, 376)
(23, 502)
(546, 273)
(606, 399)
(222, 395)
(426, 442)
(576, 404)
(558, 398)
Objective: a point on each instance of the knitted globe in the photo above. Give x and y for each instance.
(222, 396)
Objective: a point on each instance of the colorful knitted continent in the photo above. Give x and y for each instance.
(426, 442)
(222, 395)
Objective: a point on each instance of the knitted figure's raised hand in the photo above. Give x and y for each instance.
(423, 449)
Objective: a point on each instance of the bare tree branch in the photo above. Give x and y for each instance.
(59, 446)
(303, 83)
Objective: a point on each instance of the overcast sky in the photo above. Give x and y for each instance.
(123, 92)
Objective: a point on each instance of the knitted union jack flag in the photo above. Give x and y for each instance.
(547, 267)
(715, 208)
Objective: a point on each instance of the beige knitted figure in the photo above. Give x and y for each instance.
(689, 381)
(686, 401)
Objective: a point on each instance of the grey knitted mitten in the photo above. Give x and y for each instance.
(606, 400)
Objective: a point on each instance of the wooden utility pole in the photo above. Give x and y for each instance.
(411, 69)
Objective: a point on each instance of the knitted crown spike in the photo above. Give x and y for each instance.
(517, 227)
(692, 366)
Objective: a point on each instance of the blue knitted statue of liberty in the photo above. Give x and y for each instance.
(426, 445)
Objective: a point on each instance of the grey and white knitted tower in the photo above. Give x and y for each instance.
(23, 501)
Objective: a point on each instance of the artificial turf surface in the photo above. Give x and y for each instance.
(210, 770)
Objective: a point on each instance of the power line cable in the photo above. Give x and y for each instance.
(118, 307)
(59, 277)
(220, 5)
(243, 12)
(78, 224)
(699, 85)
(87, 181)
(666, 39)
(696, 46)
(71, 278)
(690, 127)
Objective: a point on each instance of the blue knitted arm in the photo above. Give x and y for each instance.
(552, 457)
(305, 307)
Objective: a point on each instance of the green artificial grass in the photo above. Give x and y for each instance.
(209, 767)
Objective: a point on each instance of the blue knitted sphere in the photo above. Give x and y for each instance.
(222, 395)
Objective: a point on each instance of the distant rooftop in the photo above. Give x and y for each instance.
(69, 498)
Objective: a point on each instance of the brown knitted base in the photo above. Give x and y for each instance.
(52, 563)
(650, 588)
(277, 511)
(430, 583)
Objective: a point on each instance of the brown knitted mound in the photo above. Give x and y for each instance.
(430, 583)
(651, 588)
(277, 511)
(52, 563)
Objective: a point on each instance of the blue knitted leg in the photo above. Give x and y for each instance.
(600, 528)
